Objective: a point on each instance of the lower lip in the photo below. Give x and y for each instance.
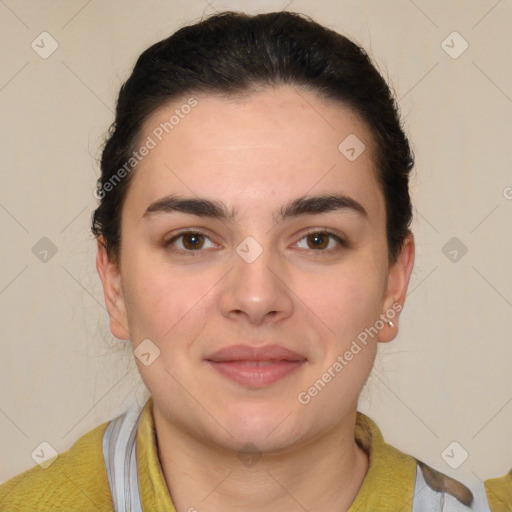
(256, 376)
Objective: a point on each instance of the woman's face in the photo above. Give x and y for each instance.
(251, 270)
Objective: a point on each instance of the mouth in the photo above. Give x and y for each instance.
(256, 367)
(256, 374)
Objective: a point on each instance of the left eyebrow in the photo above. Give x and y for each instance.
(310, 205)
(306, 205)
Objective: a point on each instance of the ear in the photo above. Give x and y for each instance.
(112, 290)
(398, 282)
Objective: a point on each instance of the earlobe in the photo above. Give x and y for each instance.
(398, 282)
(111, 280)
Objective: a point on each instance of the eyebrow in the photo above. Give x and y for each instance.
(306, 205)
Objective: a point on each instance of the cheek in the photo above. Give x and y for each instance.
(160, 300)
(344, 302)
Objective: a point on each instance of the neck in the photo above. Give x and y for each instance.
(323, 475)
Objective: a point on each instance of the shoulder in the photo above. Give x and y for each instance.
(436, 491)
(499, 493)
(396, 478)
(75, 481)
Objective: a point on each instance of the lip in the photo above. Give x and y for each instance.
(256, 366)
(251, 353)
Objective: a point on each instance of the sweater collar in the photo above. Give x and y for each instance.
(388, 485)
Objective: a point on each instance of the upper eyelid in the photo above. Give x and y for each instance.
(185, 232)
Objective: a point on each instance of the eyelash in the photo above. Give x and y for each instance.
(341, 242)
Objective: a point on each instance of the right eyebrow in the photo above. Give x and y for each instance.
(194, 206)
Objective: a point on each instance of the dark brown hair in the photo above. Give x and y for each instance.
(233, 54)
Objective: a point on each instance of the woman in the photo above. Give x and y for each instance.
(254, 246)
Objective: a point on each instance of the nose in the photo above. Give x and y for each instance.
(256, 290)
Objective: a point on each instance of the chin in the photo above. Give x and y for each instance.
(266, 426)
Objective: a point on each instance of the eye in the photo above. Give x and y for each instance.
(322, 241)
(189, 242)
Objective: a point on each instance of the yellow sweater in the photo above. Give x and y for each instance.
(77, 479)
(499, 493)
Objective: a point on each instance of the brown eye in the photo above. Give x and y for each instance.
(322, 241)
(318, 240)
(189, 242)
(193, 241)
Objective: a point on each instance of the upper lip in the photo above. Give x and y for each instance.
(251, 353)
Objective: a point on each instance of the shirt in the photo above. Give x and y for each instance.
(80, 479)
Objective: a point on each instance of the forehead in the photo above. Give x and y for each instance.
(278, 142)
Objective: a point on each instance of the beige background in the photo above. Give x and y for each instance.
(445, 378)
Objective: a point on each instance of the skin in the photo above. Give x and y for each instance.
(255, 155)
